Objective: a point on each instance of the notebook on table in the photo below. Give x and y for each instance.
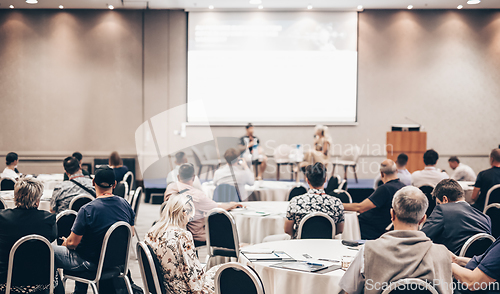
(301, 266)
(267, 256)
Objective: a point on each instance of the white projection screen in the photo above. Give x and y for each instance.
(273, 68)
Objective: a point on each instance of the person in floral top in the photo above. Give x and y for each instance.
(174, 246)
(315, 200)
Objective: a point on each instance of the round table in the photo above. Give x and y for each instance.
(265, 218)
(260, 191)
(281, 281)
(8, 198)
(468, 187)
(49, 181)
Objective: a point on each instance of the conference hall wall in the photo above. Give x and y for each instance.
(87, 79)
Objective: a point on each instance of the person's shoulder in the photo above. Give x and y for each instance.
(416, 173)
(51, 217)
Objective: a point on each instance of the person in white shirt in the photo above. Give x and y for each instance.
(403, 174)
(10, 171)
(430, 175)
(235, 172)
(461, 172)
(172, 177)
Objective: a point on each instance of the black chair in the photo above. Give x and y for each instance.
(493, 196)
(493, 211)
(151, 270)
(427, 190)
(3, 205)
(113, 262)
(476, 245)
(64, 220)
(78, 201)
(234, 277)
(7, 184)
(344, 196)
(129, 179)
(31, 262)
(333, 184)
(135, 203)
(406, 286)
(297, 191)
(121, 189)
(226, 193)
(316, 225)
(222, 235)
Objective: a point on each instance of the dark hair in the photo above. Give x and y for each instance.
(316, 174)
(230, 155)
(78, 156)
(402, 159)
(11, 157)
(179, 156)
(186, 171)
(430, 157)
(114, 159)
(71, 165)
(449, 188)
(248, 126)
(454, 158)
(495, 154)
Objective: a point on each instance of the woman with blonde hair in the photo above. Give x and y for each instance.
(321, 147)
(174, 246)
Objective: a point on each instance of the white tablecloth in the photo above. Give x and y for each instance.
(254, 224)
(8, 198)
(281, 281)
(260, 191)
(49, 181)
(468, 188)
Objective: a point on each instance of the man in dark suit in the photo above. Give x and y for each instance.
(453, 221)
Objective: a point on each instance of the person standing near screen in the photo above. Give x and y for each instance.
(250, 141)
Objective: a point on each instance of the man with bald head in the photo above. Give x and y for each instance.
(375, 211)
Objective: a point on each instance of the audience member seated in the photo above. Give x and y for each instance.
(430, 175)
(480, 272)
(78, 184)
(403, 253)
(322, 144)
(486, 179)
(202, 204)
(403, 174)
(21, 221)
(374, 211)
(81, 250)
(235, 172)
(174, 246)
(79, 157)
(116, 163)
(10, 171)
(461, 172)
(250, 141)
(453, 221)
(315, 200)
(181, 158)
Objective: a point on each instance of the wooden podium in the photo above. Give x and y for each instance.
(413, 144)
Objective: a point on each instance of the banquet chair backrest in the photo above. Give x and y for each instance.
(78, 201)
(226, 193)
(31, 262)
(476, 245)
(493, 196)
(64, 221)
(333, 184)
(344, 196)
(493, 211)
(121, 189)
(427, 190)
(136, 200)
(343, 185)
(351, 154)
(297, 191)
(282, 153)
(129, 179)
(234, 277)
(222, 235)
(316, 225)
(3, 205)
(7, 184)
(115, 247)
(407, 286)
(151, 270)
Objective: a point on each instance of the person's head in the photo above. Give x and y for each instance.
(115, 160)
(249, 129)
(71, 165)
(104, 180)
(177, 211)
(495, 157)
(27, 192)
(316, 175)
(431, 157)
(186, 173)
(448, 190)
(231, 155)
(11, 159)
(408, 207)
(402, 160)
(320, 130)
(78, 156)
(453, 162)
(388, 170)
(180, 158)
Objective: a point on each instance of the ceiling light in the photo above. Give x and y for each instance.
(211, 7)
(309, 6)
(11, 6)
(256, 2)
(473, 1)
(111, 7)
(61, 7)
(410, 6)
(460, 6)
(360, 7)
(261, 7)
(32, 1)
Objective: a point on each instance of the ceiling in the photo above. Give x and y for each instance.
(244, 5)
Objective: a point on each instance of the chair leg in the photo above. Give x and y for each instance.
(277, 172)
(199, 171)
(345, 172)
(127, 282)
(94, 288)
(136, 235)
(355, 175)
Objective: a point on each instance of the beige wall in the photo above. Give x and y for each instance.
(85, 80)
